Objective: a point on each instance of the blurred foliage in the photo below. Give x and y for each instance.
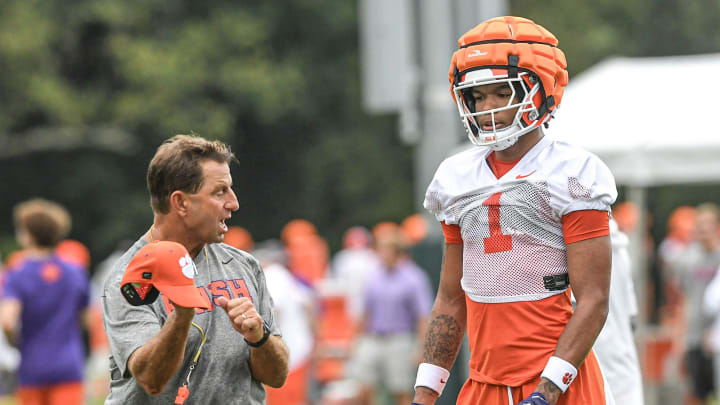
(90, 88)
(278, 81)
(591, 31)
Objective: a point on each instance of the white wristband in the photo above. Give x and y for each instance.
(560, 372)
(432, 376)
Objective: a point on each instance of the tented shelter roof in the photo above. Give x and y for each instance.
(653, 120)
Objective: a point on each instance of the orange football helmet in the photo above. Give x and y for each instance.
(516, 51)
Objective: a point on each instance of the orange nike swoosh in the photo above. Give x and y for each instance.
(520, 176)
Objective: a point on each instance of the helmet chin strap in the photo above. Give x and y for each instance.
(511, 140)
(505, 143)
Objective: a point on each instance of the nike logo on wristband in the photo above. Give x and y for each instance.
(442, 381)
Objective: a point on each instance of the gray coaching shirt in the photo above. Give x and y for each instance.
(222, 375)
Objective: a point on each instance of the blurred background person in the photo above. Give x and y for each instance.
(353, 266)
(43, 306)
(615, 345)
(240, 238)
(398, 300)
(308, 252)
(295, 313)
(414, 229)
(626, 216)
(9, 355)
(73, 252)
(420, 248)
(711, 308)
(670, 252)
(698, 265)
(665, 353)
(94, 339)
(679, 235)
(97, 376)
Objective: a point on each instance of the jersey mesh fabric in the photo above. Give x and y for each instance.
(511, 226)
(510, 243)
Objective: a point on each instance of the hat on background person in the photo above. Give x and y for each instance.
(384, 229)
(295, 228)
(357, 237)
(239, 238)
(166, 267)
(74, 252)
(414, 228)
(681, 222)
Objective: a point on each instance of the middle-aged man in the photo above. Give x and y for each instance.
(164, 352)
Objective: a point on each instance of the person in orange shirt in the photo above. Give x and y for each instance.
(523, 217)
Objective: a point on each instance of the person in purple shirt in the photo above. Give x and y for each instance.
(398, 300)
(42, 308)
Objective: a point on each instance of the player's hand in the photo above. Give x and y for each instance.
(425, 396)
(243, 317)
(535, 398)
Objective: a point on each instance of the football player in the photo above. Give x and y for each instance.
(523, 217)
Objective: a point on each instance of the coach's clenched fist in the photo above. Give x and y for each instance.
(243, 317)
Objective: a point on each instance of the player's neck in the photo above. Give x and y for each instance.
(521, 147)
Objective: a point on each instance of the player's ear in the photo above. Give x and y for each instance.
(179, 202)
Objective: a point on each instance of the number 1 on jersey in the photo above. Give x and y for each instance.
(497, 242)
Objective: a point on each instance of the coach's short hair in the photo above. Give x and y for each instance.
(45, 221)
(176, 166)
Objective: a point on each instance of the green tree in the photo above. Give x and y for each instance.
(91, 88)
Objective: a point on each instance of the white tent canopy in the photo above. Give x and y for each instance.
(651, 120)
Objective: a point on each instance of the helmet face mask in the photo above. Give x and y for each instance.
(521, 100)
(517, 52)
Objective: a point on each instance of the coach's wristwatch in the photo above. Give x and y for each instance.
(266, 335)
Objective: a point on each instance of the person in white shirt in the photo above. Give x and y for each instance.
(615, 346)
(353, 267)
(294, 309)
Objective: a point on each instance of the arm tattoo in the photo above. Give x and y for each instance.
(442, 341)
(550, 390)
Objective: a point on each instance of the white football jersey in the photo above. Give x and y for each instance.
(512, 226)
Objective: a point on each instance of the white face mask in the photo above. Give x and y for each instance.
(524, 120)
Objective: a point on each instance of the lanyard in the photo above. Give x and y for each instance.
(184, 391)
